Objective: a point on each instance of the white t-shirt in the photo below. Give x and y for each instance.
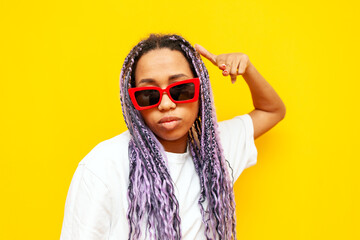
(96, 205)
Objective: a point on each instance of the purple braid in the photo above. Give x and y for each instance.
(151, 191)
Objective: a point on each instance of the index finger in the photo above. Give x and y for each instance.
(205, 53)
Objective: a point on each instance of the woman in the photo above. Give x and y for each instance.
(170, 176)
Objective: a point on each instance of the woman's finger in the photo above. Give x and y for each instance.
(243, 64)
(233, 78)
(222, 66)
(225, 73)
(205, 53)
(234, 68)
(234, 71)
(226, 69)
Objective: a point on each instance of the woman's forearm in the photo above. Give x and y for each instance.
(263, 95)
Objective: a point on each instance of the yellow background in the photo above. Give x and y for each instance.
(60, 66)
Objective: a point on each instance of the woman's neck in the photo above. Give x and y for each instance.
(176, 146)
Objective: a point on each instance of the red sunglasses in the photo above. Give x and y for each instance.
(179, 92)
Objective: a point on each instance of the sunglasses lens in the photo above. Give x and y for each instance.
(183, 92)
(147, 97)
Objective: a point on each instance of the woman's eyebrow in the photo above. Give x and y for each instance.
(146, 80)
(173, 77)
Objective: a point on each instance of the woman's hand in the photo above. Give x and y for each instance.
(269, 108)
(232, 64)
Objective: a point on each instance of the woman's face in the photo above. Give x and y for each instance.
(169, 121)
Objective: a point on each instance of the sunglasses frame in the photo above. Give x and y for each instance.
(195, 81)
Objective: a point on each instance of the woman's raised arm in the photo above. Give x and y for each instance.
(269, 108)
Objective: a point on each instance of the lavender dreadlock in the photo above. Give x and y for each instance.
(151, 192)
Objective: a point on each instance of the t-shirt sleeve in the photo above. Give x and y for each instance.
(237, 139)
(87, 208)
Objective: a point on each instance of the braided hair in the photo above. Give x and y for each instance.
(151, 191)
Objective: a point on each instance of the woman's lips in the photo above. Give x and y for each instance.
(169, 123)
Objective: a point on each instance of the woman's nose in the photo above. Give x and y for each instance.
(166, 103)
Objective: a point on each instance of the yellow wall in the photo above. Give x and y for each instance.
(60, 65)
